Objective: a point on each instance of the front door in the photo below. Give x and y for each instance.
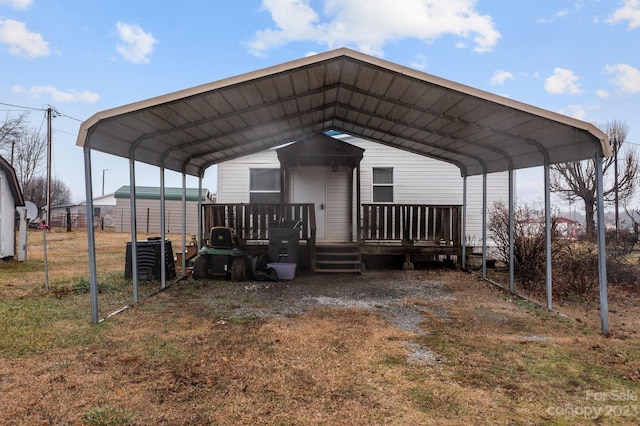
(309, 186)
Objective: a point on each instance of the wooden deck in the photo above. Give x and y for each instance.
(383, 229)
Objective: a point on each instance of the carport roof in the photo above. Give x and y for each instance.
(345, 91)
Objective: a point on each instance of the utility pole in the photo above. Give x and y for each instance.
(49, 117)
(50, 114)
(615, 174)
(103, 170)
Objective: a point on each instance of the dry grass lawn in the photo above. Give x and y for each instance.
(216, 352)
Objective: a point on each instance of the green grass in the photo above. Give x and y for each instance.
(108, 416)
(37, 324)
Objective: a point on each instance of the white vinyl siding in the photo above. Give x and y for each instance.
(416, 180)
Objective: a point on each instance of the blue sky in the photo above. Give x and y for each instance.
(575, 57)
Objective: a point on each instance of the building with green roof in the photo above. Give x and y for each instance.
(148, 208)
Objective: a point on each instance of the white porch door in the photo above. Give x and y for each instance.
(329, 191)
(310, 186)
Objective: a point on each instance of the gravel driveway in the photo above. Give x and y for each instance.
(387, 292)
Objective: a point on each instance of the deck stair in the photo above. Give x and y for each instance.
(337, 258)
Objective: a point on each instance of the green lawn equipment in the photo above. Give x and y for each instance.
(221, 256)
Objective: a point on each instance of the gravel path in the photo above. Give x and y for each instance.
(384, 291)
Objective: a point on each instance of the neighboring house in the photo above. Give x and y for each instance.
(568, 228)
(404, 199)
(10, 198)
(148, 209)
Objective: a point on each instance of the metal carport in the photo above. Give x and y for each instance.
(350, 92)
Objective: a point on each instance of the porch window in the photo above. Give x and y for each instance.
(264, 186)
(383, 184)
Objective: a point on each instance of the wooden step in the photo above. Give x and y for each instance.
(337, 258)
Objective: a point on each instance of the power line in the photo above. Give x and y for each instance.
(55, 111)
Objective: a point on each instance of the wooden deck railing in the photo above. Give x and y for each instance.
(412, 223)
(252, 221)
(407, 223)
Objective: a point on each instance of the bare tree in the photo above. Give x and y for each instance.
(576, 181)
(30, 153)
(36, 192)
(12, 130)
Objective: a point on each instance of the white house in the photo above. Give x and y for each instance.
(10, 198)
(403, 197)
(104, 212)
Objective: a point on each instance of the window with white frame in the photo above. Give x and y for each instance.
(264, 186)
(383, 185)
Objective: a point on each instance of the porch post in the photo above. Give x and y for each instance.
(602, 247)
(351, 205)
(199, 233)
(547, 231)
(359, 206)
(134, 229)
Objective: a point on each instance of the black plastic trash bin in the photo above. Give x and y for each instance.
(284, 242)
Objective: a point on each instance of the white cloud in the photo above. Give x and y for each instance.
(17, 4)
(603, 94)
(21, 41)
(562, 81)
(369, 25)
(576, 111)
(500, 77)
(629, 12)
(577, 6)
(419, 62)
(58, 95)
(136, 45)
(625, 77)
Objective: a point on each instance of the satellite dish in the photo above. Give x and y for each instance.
(32, 210)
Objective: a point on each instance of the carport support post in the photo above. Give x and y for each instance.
(91, 235)
(184, 223)
(484, 225)
(134, 229)
(464, 222)
(511, 234)
(547, 233)
(163, 233)
(602, 254)
(198, 236)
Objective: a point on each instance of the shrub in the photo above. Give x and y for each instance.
(529, 242)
